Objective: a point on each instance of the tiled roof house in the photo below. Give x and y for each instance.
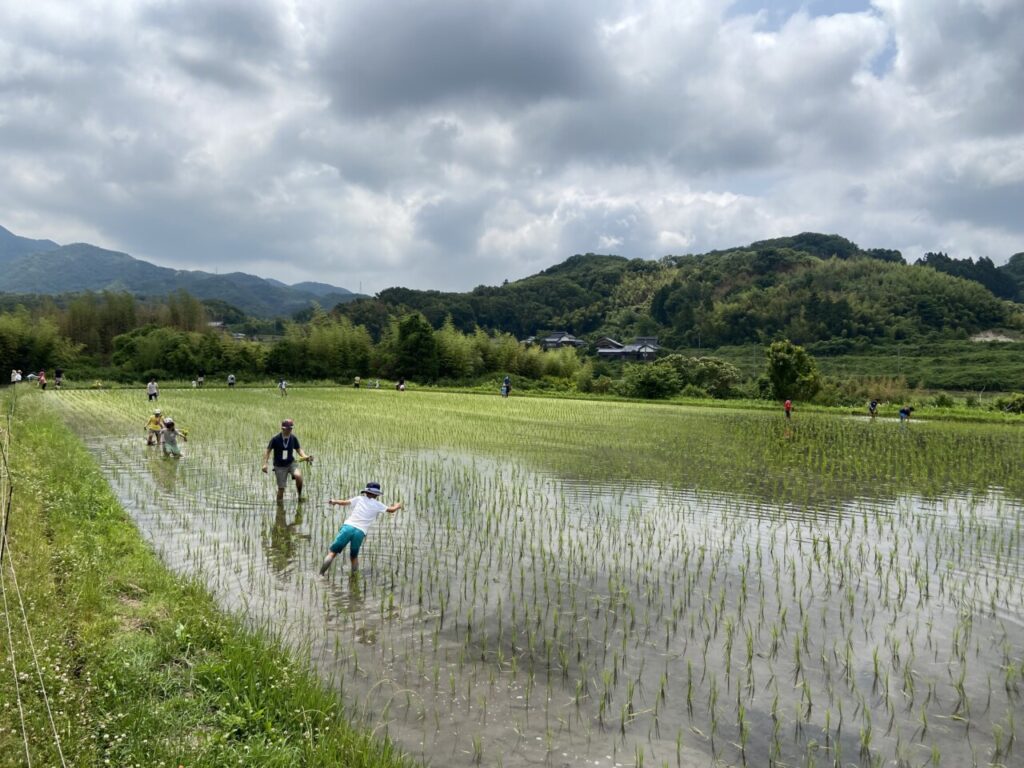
(642, 348)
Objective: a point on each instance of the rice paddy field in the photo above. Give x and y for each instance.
(586, 583)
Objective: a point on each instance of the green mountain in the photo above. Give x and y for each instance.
(13, 247)
(809, 288)
(43, 267)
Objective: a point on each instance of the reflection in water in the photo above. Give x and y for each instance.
(165, 472)
(346, 609)
(280, 543)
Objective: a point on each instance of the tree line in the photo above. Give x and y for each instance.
(819, 291)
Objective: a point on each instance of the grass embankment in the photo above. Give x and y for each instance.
(138, 666)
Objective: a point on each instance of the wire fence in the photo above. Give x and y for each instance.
(13, 596)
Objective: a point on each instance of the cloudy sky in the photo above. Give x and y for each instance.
(451, 143)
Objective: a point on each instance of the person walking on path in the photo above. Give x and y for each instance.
(905, 412)
(366, 508)
(154, 426)
(152, 390)
(873, 408)
(285, 446)
(788, 408)
(169, 437)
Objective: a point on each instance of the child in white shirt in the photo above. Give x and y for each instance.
(365, 510)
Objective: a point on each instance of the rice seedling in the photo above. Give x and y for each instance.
(564, 571)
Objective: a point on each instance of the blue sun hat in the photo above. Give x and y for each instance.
(372, 488)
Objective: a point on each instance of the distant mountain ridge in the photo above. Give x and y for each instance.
(45, 267)
(13, 246)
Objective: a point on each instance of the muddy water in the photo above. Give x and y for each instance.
(511, 616)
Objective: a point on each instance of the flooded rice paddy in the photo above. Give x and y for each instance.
(581, 583)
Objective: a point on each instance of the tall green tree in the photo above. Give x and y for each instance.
(459, 357)
(792, 372)
(417, 356)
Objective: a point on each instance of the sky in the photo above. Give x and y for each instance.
(445, 144)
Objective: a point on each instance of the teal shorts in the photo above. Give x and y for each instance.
(350, 535)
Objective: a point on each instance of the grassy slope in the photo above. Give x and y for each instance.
(140, 667)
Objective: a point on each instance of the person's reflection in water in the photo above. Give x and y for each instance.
(355, 600)
(348, 608)
(165, 473)
(281, 543)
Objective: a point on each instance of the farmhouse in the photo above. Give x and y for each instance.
(559, 339)
(642, 348)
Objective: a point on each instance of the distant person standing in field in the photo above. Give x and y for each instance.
(873, 408)
(400, 386)
(506, 387)
(152, 390)
(285, 446)
(366, 508)
(231, 380)
(42, 380)
(201, 378)
(283, 386)
(58, 377)
(905, 412)
(357, 382)
(788, 408)
(14, 376)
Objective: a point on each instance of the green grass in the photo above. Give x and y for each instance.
(949, 364)
(139, 667)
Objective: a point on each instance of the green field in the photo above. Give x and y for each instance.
(582, 582)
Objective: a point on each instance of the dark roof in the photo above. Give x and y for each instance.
(642, 345)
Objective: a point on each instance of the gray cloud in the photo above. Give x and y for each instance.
(457, 142)
(405, 55)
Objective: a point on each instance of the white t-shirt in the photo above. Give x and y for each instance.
(151, 388)
(364, 511)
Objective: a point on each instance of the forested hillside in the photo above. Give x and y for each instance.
(809, 288)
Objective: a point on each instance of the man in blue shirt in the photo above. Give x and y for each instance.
(285, 446)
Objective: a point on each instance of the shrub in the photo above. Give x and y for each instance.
(652, 381)
(1012, 404)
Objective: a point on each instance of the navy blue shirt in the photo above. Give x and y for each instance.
(282, 450)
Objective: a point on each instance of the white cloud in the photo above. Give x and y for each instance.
(457, 142)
